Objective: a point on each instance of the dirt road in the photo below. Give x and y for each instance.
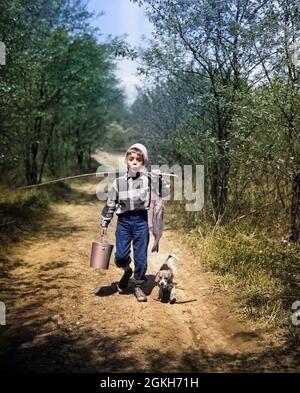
(63, 316)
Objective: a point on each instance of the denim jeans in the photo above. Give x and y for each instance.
(133, 226)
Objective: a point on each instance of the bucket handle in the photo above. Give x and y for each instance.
(102, 237)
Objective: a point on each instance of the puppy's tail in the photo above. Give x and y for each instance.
(172, 260)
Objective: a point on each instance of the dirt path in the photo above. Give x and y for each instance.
(63, 316)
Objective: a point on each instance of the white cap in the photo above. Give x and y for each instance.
(142, 148)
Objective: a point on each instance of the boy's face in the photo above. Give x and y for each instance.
(134, 161)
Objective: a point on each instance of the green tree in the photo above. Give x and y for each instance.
(58, 90)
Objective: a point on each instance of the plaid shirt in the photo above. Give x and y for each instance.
(132, 193)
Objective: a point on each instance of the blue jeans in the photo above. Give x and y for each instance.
(133, 226)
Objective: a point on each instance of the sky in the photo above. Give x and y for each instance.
(123, 17)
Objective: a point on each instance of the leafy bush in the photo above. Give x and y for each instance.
(262, 269)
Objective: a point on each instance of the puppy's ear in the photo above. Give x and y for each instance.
(170, 276)
(156, 278)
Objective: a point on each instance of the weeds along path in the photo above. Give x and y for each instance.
(63, 316)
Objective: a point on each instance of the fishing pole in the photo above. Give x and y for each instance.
(85, 175)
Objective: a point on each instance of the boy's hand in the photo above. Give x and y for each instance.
(103, 231)
(155, 172)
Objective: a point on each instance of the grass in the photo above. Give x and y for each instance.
(21, 211)
(262, 270)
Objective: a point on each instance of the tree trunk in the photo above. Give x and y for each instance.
(27, 169)
(45, 155)
(79, 149)
(89, 159)
(79, 154)
(295, 210)
(219, 187)
(33, 174)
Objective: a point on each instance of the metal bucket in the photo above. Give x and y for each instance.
(100, 255)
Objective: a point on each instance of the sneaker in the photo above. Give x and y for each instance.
(139, 294)
(123, 283)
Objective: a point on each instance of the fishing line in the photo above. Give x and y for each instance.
(85, 175)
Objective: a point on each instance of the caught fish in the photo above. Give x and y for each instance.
(157, 222)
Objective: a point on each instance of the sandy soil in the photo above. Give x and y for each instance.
(63, 316)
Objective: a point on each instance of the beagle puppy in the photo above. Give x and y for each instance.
(165, 281)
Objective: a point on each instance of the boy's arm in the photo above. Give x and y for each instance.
(110, 206)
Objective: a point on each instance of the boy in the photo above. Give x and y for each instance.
(130, 198)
